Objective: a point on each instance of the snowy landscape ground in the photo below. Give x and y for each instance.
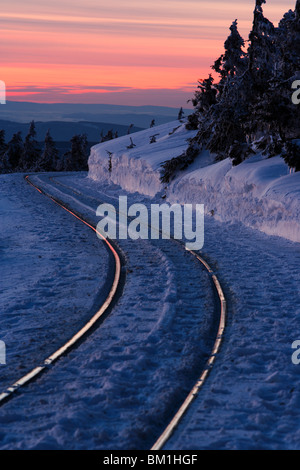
(120, 387)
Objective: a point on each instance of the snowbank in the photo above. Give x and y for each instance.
(138, 169)
(260, 193)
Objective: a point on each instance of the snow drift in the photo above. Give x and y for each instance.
(260, 193)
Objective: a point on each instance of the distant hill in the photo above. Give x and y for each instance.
(140, 116)
(63, 131)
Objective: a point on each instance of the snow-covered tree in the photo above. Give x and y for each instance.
(261, 50)
(251, 106)
(204, 98)
(234, 60)
(291, 155)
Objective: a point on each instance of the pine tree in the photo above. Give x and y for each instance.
(291, 155)
(109, 135)
(76, 158)
(3, 148)
(180, 114)
(261, 47)
(204, 98)
(250, 108)
(49, 157)
(3, 145)
(13, 154)
(233, 62)
(31, 151)
(84, 151)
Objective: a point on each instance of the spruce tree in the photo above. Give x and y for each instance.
(291, 155)
(3, 148)
(13, 154)
(31, 151)
(109, 135)
(76, 157)
(49, 157)
(261, 47)
(180, 114)
(233, 62)
(2, 142)
(204, 98)
(250, 109)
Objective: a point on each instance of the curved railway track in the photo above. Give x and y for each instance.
(34, 373)
(169, 430)
(173, 424)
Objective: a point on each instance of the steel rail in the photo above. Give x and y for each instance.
(72, 341)
(169, 430)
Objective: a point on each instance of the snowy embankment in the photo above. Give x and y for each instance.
(261, 193)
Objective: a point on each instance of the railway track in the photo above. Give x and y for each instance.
(34, 373)
(173, 424)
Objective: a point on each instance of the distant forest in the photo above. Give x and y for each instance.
(20, 155)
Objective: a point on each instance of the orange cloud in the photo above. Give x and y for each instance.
(135, 45)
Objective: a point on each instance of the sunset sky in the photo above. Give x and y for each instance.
(119, 51)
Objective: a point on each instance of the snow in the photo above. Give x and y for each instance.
(260, 193)
(137, 169)
(48, 274)
(119, 387)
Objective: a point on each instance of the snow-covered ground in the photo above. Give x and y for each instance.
(118, 389)
(251, 399)
(53, 275)
(260, 193)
